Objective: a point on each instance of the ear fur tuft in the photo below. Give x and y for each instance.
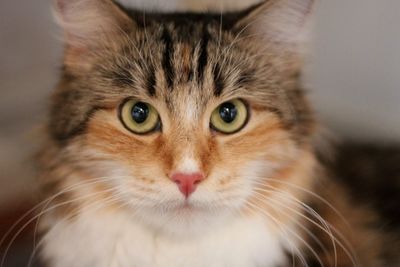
(279, 21)
(85, 22)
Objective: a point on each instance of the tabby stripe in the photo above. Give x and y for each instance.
(219, 83)
(203, 57)
(122, 76)
(166, 63)
(63, 135)
(151, 82)
(245, 78)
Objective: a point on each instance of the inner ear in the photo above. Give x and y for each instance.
(277, 21)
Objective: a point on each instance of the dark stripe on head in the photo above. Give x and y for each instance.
(63, 135)
(122, 76)
(219, 83)
(190, 75)
(166, 63)
(151, 82)
(245, 78)
(203, 57)
(70, 113)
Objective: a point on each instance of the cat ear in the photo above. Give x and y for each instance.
(87, 23)
(282, 22)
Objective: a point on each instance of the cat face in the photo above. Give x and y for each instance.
(148, 102)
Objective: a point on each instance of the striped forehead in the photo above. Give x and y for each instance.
(162, 56)
(183, 60)
(183, 63)
(187, 59)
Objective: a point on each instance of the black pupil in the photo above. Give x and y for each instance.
(140, 112)
(228, 112)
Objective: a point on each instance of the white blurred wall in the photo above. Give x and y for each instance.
(29, 58)
(356, 68)
(354, 75)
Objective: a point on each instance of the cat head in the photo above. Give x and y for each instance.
(184, 116)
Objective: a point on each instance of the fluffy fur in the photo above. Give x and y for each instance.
(269, 197)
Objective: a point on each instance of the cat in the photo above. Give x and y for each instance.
(187, 139)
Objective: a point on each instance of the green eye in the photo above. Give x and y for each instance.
(139, 117)
(229, 117)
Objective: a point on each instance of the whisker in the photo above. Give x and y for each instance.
(51, 198)
(292, 247)
(294, 234)
(40, 214)
(313, 236)
(278, 224)
(79, 211)
(69, 189)
(326, 226)
(326, 202)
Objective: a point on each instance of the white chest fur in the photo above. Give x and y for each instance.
(115, 241)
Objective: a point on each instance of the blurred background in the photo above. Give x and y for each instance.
(353, 75)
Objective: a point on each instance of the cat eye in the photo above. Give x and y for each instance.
(139, 117)
(229, 117)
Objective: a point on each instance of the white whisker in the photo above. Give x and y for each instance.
(79, 211)
(326, 227)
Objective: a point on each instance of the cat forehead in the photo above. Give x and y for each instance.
(169, 58)
(160, 52)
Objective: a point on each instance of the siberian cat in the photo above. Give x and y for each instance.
(186, 140)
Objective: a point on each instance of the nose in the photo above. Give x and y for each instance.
(187, 182)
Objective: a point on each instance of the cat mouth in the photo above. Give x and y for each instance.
(189, 206)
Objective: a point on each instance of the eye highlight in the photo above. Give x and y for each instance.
(139, 117)
(229, 117)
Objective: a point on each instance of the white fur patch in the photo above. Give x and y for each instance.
(114, 240)
(188, 165)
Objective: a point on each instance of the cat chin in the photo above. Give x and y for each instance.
(184, 221)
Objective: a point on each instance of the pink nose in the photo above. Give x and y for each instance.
(187, 182)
